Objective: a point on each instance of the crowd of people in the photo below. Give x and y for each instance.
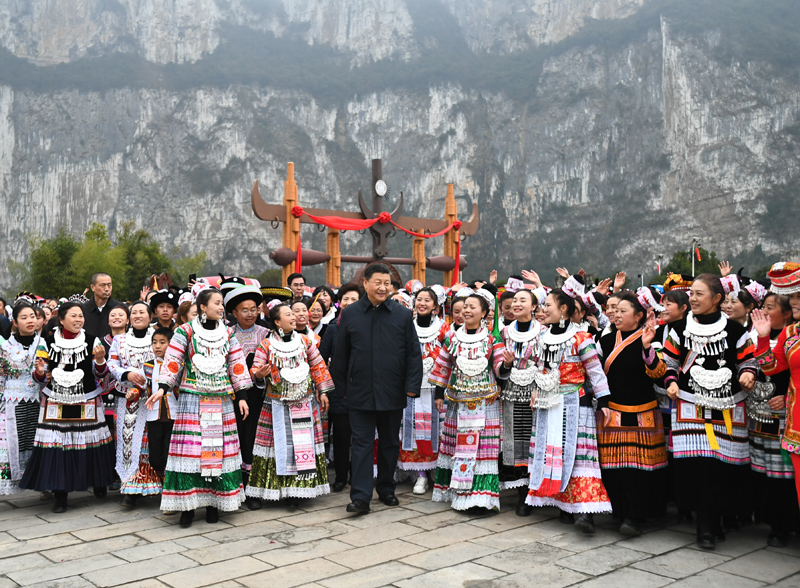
(591, 398)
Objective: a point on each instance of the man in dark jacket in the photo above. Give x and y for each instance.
(95, 312)
(377, 363)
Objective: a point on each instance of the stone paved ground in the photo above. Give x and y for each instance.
(98, 543)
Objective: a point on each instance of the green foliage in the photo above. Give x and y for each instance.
(270, 277)
(681, 263)
(63, 265)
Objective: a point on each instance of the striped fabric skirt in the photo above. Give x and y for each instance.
(765, 449)
(68, 455)
(690, 438)
(265, 482)
(585, 492)
(485, 489)
(17, 431)
(184, 486)
(639, 446)
(517, 426)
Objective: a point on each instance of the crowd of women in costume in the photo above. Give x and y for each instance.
(591, 399)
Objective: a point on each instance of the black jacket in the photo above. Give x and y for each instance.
(95, 321)
(378, 358)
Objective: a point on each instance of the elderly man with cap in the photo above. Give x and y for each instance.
(242, 301)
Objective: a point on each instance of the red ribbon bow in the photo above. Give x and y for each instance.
(297, 211)
(384, 218)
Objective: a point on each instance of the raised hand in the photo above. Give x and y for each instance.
(532, 277)
(493, 277)
(761, 323)
(563, 272)
(143, 293)
(604, 286)
(619, 281)
(725, 269)
(649, 331)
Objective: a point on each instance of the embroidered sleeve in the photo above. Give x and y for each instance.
(773, 362)
(496, 347)
(443, 368)
(319, 373)
(43, 353)
(745, 355)
(260, 358)
(237, 365)
(671, 353)
(114, 365)
(587, 351)
(175, 356)
(654, 364)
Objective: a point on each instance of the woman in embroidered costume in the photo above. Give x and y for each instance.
(72, 449)
(631, 441)
(243, 302)
(520, 358)
(774, 420)
(300, 310)
(419, 431)
(289, 455)
(19, 397)
(564, 465)
(469, 447)
(126, 361)
(118, 320)
(329, 299)
(205, 358)
(710, 371)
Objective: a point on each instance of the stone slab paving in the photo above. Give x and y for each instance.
(98, 543)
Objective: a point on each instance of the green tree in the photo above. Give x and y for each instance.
(681, 263)
(47, 272)
(97, 253)
(142, 255)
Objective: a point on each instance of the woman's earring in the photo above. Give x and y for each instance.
(483, 323)
(562, 323)
(203, 318)
(280, 332)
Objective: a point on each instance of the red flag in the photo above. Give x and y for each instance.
(658, 267)
(697, 251)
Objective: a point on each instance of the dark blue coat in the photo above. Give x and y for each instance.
(327, 349)
(377, 358)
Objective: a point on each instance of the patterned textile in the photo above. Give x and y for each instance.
(211, 436)
(265, 482)
(484, 490)
(178, 370)
(639, 447)
(17, 432)
(70, 455)
(145, 480)
(765, 449)
(185, 488)
(690, 438)
(784, 357)
(585, 492)
(250, 338)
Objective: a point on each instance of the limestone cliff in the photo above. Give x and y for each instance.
(589, 131)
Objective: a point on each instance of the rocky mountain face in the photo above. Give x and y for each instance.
(592, 132)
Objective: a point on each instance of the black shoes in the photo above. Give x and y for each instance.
(212, 515)
(187, 517)
(252, 503)
(129, 500)
(776, 539)
(389, 499)
(100, 491)
(706, 541)
(338, 486)
(585, 524)
(60, 505)
(359, 506)
(523, 510)
(566, 517)
(630, 528)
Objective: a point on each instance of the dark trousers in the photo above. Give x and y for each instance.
(247, 427)
(158, 436)
(340, 439)
(363, 424)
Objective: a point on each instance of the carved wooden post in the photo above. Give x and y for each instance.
(333, 269)
(418, 253)
(291, 228)
(452, 236)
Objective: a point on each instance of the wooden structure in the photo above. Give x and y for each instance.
(286, 255)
